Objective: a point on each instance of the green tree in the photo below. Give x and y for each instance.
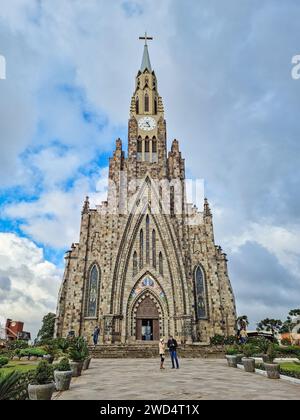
(290, 324)
(47, 330)
(294, 312)
(273, 325)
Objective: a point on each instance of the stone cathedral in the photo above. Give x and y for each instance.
(146, 265)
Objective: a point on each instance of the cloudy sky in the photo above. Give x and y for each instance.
(224, 71)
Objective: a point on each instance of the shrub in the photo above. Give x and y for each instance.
(62, 344)
(217, 340)
(17, 344)
(232, 351)
(63, 365)
(51, 349)
(291, 373)
(78, 350)
(5, 352)
(260, 343)
(32, 351)
(230, 340)
(43, 373)
(286, 342)
(3, 361)
(9, 385)
(292, 351)
(22, 386)
(249, 350)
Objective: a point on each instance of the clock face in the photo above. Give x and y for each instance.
(147, 123)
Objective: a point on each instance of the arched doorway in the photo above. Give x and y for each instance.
(147, 321)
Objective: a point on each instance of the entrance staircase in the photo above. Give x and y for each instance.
(150, 350)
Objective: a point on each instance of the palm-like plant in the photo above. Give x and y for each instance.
(10, 386)
(78, 350)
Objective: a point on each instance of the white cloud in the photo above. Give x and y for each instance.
(54, 219)
(33, 281)
(282, 242)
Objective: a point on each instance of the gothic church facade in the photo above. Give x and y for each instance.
(146, 265)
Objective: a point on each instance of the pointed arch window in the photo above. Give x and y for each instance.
(200, 294)
(147, 145)
(155, 106)
(154, 248)
(93, 290)
(137, 105)
(147, 149)
(154, 145)
(146, 102)
(154, 150)
(161, 264)
(141, 249)
(147, 240)
(135, 263)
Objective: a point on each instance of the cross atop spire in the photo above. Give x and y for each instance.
(146, 38)
(146, 64)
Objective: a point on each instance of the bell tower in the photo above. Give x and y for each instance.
(147, 126)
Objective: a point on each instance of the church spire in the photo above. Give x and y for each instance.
(146, 64)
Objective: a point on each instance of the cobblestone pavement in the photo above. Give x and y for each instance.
(199, 379)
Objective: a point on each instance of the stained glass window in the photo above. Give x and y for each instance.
(148, 282)
(200, 294)
(93, 292)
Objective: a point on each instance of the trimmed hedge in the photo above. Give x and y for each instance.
(32, 351)
(293, 351)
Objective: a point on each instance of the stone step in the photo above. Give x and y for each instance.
(151, 351)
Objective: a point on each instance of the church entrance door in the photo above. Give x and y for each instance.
(147, 321)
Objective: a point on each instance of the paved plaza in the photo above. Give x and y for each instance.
(199, 379)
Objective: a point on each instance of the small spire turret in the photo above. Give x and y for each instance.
(86, 205)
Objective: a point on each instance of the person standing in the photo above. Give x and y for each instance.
(172, 346)
(162, 350)
(96, 335)
(243, 336)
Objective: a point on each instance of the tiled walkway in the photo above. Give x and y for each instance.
(131, 379)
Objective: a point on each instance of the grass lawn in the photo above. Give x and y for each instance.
(20, 366)
(290, 366)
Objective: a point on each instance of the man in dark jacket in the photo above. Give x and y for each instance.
(96, 335)
(172, 346)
